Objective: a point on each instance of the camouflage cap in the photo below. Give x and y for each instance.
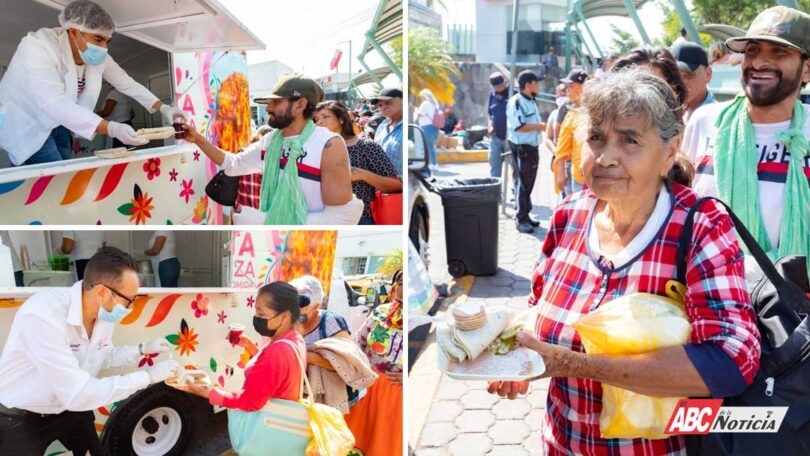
(778, 25)
(294, 86)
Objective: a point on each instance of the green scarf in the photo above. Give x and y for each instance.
(737, 183)
(282, 199)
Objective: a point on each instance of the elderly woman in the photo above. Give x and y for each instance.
(619, 237)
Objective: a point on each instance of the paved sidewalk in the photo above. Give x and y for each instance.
(460, 418)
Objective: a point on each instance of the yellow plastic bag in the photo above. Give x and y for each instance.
(330, 433)
(635, 323)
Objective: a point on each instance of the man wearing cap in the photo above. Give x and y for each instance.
(567, 169)
(389, 132)
(52, 85)
(317, 189)
(524, 125)
(761, 137)
(693, 63)
(496, 110)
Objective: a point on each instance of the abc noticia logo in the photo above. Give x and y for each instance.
(702, 416)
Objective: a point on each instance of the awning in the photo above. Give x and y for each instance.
(721, 32)
(177, 25)
(597, 8)
(366, 78)
(387, 25)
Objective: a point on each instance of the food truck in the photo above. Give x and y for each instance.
(194, 318)
(190, 54)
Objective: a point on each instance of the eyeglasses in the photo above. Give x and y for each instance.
(119, 294)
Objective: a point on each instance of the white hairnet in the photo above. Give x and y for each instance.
(310, 287)
(87, 17)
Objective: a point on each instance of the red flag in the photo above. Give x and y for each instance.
(333, 65)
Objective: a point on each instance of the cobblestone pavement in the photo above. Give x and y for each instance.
(458, 417)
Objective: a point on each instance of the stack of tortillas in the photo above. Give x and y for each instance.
(469, 316)
(461, 344)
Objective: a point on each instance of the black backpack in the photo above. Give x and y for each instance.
(782, 306)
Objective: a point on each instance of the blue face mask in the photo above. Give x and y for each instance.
(93, 55)
(118, 313)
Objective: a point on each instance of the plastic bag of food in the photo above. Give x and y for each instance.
(635, 323)
(331, 435)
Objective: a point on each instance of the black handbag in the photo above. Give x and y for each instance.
(222, 189)
(781, 303)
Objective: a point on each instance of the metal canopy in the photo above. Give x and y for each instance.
(178, 25)
(387, 24)
(366, 78)
(598, 8)
(721, 32)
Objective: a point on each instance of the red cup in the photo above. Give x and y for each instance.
(235, 333)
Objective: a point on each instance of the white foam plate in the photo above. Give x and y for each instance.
(118, 152)
(537, 368)
(155, 133)
(201, 378)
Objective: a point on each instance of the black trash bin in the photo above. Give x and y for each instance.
(470, 224)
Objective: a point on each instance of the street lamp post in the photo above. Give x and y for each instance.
(349, 85)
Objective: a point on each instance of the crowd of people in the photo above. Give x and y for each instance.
(55, 334)
(633, 152)
(343, 161)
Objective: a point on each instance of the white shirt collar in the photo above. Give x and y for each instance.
(75, 316)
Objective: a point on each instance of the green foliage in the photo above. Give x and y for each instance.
(429, 63)
(623, 41)
(739, 13)
(392, 263)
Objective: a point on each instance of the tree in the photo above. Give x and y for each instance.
(739, 13)
(392, 263)
(429, 64)
(623, 41)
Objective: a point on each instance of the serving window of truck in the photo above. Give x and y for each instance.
(190, 54)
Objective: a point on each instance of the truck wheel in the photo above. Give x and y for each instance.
(158, 421)
(418, 232)
(456, 268)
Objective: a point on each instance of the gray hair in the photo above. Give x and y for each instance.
(87, 17)
(629, 93)
(310, 287)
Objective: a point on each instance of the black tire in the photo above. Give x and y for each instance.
(118, 432)
(418, 228)
(456, 268)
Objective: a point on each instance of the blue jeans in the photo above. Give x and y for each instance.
(58, 146)
(432, 134)
(366, 221)
(496, 149)
(169, 272)
(571, 185)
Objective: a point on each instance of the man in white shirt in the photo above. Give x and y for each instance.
(324, 179)
(776, 65)
(81, 245)
(58, 342)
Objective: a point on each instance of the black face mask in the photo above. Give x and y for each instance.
(260, 325)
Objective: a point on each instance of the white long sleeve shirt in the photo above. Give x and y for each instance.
(49, 365)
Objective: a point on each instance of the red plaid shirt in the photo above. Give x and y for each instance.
(568, 283)
(249, 190)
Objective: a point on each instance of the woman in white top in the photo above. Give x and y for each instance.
(164, 258)
(427, 111)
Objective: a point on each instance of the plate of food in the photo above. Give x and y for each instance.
(155, 133)
(117, 152)
(486, 348)
(198, 377)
